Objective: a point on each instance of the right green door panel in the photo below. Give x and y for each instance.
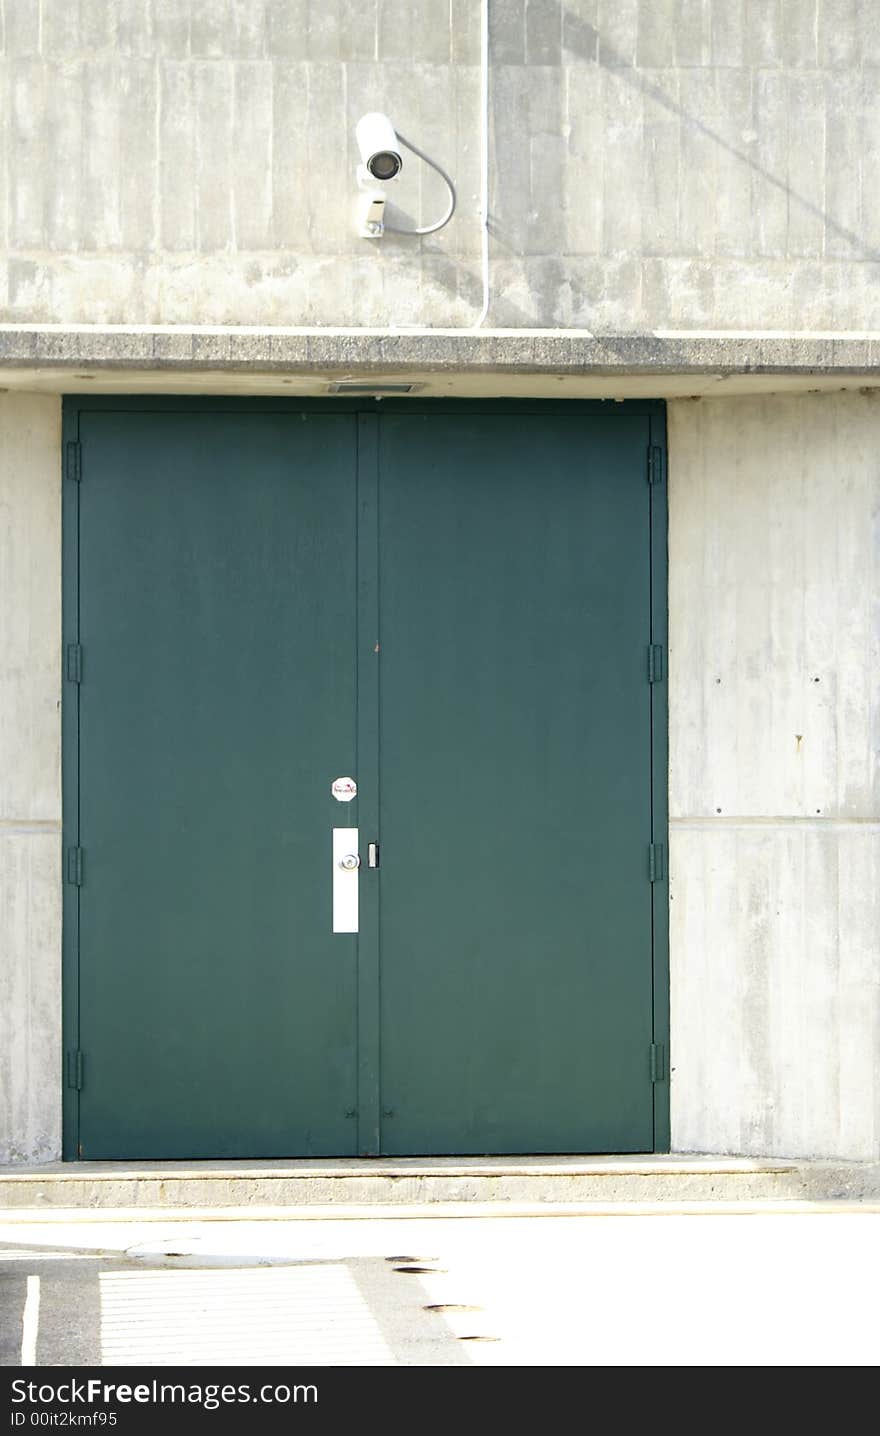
(515, 750)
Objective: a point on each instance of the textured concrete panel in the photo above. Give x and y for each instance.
(776, 989)
(62, 215)
(102, 157)
(30, 788)
(414, 30)
(135, 29)
(21, 27)
(30, 600)
(618, 26)
(138, 139)
(24, 102)
(774, 576)
(507, 31)
(252, 154)
(177, 138)
(171, 22)
(214, 142)
(774, 799)
(30, 995)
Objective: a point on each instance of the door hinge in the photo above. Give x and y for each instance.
(655, 862)
(75, 866)
(75, 1070)
(74, 663)
(658, 1062)
(655, 662)
(655, 464)
(73, 460)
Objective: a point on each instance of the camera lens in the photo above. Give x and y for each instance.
(384, 165)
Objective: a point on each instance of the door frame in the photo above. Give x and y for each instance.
(656, 475)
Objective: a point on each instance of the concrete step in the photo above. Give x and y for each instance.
(343, 1183)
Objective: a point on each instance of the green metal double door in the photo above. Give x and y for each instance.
(363, 779)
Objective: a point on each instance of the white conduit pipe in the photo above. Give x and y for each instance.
(484, 160)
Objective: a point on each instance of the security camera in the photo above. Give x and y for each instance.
(379, 147)
(381, 161)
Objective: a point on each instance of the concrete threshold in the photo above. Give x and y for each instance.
(89, 1218)
(424, 1182)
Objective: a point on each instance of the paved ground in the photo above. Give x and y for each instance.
(622, 1288)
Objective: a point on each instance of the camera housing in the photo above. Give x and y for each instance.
(379, 147)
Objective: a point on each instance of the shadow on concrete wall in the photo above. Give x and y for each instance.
(590, 44)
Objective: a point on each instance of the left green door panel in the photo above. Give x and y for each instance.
(216, 603)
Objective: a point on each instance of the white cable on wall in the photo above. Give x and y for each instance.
(450, 207)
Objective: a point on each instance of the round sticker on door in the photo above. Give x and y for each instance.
(344, 789)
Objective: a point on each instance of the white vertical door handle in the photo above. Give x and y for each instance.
(346, 863)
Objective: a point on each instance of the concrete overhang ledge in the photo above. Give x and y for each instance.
(441, 362)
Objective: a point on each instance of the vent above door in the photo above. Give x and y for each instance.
(346, 386)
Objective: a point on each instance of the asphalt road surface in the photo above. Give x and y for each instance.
(621, 1288)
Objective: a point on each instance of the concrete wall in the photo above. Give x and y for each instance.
(775, 801)
(654, 163)
(30, 786)
(775, 729)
